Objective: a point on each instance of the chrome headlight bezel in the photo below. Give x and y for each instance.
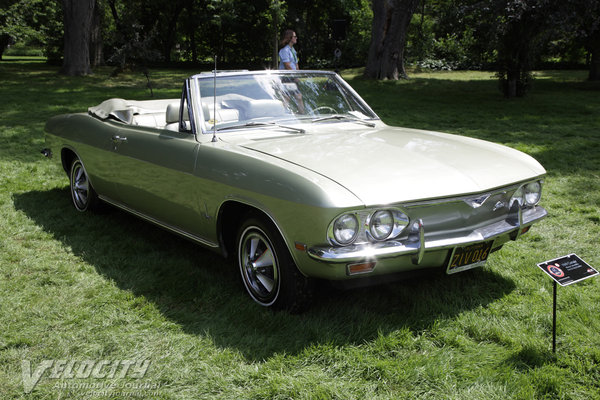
(532, 193)
(399, 221)
(343, 223)
(528, 195)
(381, 224)
(367, 220)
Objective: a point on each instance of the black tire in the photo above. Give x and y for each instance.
(268, 272)
(83, 195)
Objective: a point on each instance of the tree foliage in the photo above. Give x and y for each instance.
(28, 22)
(510, 36)
(520, 29)
(579, 21)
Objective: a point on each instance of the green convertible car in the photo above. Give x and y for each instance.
(292, 175)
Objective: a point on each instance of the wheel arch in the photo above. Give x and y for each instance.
(229, 218)
(67, 156)
(293, 289)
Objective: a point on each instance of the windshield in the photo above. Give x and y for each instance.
(261, 99)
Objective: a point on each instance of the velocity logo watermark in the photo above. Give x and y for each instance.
(74, 369)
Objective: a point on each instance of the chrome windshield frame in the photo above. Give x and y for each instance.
(200, 127)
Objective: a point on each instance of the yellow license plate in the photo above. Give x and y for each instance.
(467, 257)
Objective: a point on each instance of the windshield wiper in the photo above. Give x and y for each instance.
(259, 124)
(344, 117)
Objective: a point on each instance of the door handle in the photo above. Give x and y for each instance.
(119, 139)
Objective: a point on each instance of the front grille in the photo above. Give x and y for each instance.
(459, 216)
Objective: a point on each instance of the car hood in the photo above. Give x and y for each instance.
(387, 165)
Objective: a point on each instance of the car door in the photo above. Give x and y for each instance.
(155, 169)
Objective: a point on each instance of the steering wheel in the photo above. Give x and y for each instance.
(330, 110)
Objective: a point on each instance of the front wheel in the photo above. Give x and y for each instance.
(267, 269)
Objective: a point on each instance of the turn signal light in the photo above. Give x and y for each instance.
(361, 268)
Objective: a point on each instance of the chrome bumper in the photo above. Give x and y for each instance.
(416, 244)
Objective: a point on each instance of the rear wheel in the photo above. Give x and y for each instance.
(82, 193)
(267, 269)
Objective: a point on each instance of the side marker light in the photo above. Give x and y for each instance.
(361, 268)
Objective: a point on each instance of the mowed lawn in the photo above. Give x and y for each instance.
(92, 287)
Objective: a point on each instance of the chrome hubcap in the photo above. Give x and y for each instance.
(259, 266)
(79, 186)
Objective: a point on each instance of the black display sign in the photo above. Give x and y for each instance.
(567, 270)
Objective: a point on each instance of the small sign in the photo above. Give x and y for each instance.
(568, 269)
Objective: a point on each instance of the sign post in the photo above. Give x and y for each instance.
(554, 285)
(565, 271)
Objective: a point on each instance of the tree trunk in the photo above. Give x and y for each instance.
(96, 44)
(190, 28)
(594, 49)
(4, 42)
(512, 80)
(594, 74)
(391, 19)
(275, 53)
(78, 16)
(171, 31)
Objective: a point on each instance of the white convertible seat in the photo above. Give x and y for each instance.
(172, 116)
(172, 113)
(220, 115)
(264, 108)
(256, 108)
(152, 120)
(219, 111)
(149, 113)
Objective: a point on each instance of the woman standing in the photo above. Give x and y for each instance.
(287, 55)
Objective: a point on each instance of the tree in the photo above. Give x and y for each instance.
(8, 23)
(22, 21)
(391, 19)
(583, 19)
(78, 18)
(521, 29)
(158, 22)
(241, 33)
(277, 14)
(96, 43)
(451, 34)
(593, 46)
(515, 32)
(313, 21)
(133, 41)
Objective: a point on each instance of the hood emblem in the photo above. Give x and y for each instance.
(476, 202)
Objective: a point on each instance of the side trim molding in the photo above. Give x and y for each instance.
(161, 224)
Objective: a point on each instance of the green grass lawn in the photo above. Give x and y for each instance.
(110, 287)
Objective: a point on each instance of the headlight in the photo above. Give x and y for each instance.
(367, 225)
(381, 224)
(345, 229)
(528, 195)
(532, 192)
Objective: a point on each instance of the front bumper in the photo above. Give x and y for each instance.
(417, 243)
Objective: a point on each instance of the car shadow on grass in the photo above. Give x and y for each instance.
(202, 292)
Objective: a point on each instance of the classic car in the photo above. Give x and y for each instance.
(292, 175)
